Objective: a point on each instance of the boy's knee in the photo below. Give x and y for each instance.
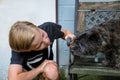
(51, 71)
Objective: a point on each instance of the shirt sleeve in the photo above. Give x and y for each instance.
(53, 30)
(16, 58)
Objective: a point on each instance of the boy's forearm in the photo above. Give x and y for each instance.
(34, 72)
(29, 75)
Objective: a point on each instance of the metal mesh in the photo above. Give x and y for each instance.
(94, 18)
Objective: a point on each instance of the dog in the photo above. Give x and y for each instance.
(104, 37)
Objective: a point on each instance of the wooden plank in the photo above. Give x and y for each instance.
(81, 22)
(99, 5)
(94, 70)
(87, 60)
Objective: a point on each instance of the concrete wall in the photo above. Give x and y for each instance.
(36, 11)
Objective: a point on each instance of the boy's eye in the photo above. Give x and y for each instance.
(43, 35)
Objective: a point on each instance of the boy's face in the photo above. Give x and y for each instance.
(41, 40)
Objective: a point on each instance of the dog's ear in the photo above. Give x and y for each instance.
(94, 32)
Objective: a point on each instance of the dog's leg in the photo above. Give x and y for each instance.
(110, 58)
(117, 61)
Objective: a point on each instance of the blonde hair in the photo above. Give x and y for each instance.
(21, 35)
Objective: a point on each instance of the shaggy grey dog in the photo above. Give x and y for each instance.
(105, 38)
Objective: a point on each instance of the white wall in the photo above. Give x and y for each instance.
(36, 11)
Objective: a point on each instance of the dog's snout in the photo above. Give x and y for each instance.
(74, 47)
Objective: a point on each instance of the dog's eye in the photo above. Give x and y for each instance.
(94, 37)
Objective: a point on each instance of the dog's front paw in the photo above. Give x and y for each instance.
(117, 66)
(105, 63)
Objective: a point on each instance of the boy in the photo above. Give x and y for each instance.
(32, 53)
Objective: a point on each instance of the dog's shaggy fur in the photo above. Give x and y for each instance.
(104, 37)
